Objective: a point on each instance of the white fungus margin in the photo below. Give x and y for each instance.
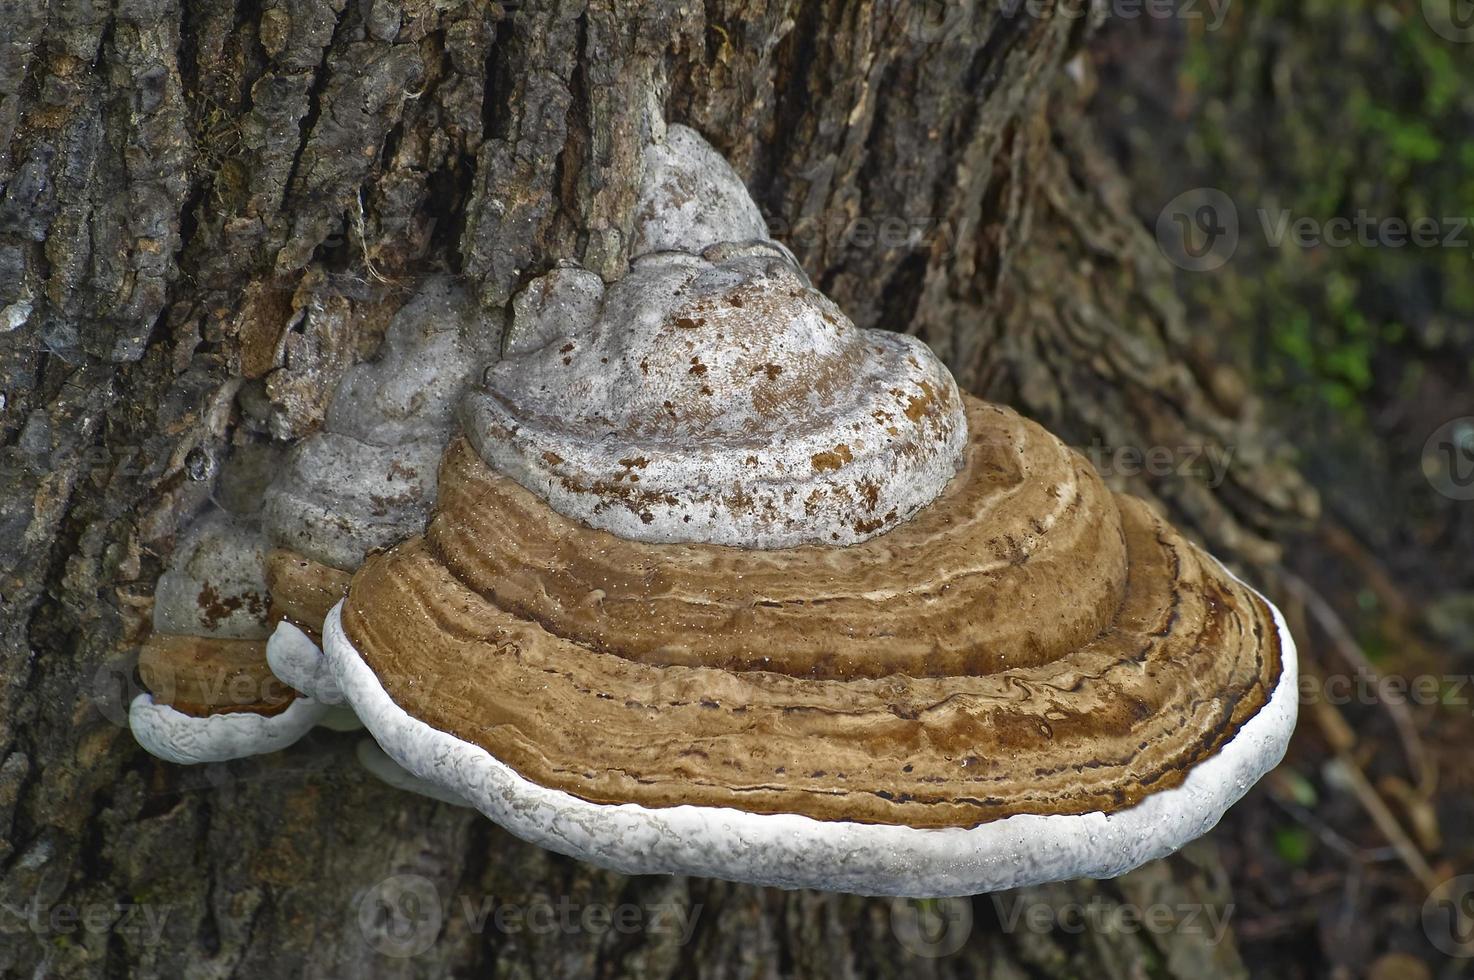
(792, 851)
(188, 739)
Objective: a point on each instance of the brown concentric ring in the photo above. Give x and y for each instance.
(1177, 657)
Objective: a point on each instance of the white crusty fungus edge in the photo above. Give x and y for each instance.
(187, 739)
(298, 663)
(793, 851)
(377, 763)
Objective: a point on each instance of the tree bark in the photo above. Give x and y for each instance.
(209, 208)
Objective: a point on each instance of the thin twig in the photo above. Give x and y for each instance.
(1343, 769)
(1332, 838)
(1350, 651)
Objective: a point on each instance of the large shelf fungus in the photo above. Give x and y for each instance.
(718, 583)
(715, 582)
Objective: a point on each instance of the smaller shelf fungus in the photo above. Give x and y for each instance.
(717, 583)
(233, 667)
(368, 479)
(211, 695)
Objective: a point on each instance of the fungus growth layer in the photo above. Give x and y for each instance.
(719, 398)
(1030, 643)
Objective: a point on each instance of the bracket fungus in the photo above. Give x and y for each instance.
(718, 398)
(690, 197)
(718, 583)
(368, 479)
(241, 608)
(211, 695)
(715, 582)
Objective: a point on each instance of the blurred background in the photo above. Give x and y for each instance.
(1247, 128)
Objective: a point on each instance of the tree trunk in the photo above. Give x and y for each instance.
(207, 210)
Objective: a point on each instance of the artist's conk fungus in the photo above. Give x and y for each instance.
(718, 583)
